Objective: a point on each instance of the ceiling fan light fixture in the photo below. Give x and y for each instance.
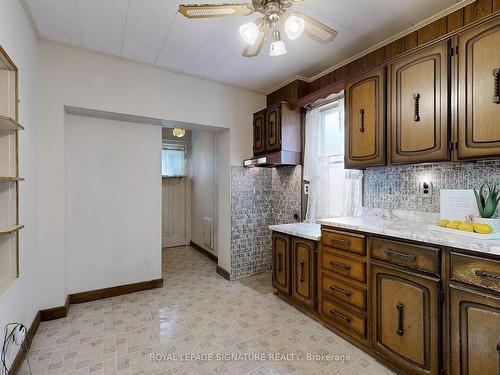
(249, 33)
(294, 27)
(178, 132)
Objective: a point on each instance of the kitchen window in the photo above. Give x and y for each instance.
(333, 190)
(173, 160)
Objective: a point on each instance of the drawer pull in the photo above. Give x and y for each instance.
(487, 275)
(339, 240)
(279, 262)
(301, 263)
(341, 316)
(339, 290)
(340, 265)
(399, 254)
(399, 317)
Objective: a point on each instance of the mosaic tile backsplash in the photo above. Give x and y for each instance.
(260, 197)
(397, 187)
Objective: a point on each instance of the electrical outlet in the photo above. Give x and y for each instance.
(306, 189)
(425, 189)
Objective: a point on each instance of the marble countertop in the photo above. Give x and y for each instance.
(412, 230)
(309, 231)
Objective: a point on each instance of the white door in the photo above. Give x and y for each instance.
(175, 211)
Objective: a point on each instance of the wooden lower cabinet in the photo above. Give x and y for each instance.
(475, 332)
(281, 262)
(405, 318)
(304, 271)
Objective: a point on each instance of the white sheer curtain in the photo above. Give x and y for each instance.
(333, 191)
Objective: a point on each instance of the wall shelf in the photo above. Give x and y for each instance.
(12, 179)
(9, 230)
(8, 124)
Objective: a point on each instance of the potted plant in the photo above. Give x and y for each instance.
(487, 205)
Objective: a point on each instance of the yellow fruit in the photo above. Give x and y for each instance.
(443, 222)
(483, 228)
(466, 227)
(453, 224)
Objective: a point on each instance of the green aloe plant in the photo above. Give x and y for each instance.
(487, 205)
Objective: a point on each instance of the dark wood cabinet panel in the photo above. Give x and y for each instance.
(304, 274)
(365, 120)
(259, 132)
(418, 97)
(475, 333)
(405, 319)
(475, 271)
(478, 91)
(281, 262)
(344, 319)
(273, 128)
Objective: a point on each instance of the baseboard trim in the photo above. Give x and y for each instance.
(21, 354)
(114, 291)
(55, 312)
(201, 250)
(221, 271)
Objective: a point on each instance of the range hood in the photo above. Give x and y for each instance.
(274, 159)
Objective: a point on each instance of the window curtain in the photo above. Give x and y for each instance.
(321, 174)
(173, 161)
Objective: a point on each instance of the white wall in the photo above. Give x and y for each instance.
(82, 79)
(202, 186)
(21, 302)
(113, 195)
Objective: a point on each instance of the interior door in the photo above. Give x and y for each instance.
(259, 134)
(175, 215)
(303, 270)
(405, 320)
(365, 120)
(273, 128)
(418, 107)
(475, 333)
(478, 91)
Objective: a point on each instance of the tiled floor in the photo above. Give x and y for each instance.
(198, 312)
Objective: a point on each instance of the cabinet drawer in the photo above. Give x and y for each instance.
(344, 241)
(344, 291)
(476, 271)
(343, 318)
(413, 256)
(343, 265)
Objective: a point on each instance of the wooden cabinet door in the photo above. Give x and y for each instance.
(365, 120)
(281, 262)
(273, 128)
(259, 132)
(478, 91)
(405, 319)
(475, 333)
(418, 107)
(303, 270)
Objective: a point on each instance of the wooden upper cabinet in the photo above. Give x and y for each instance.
(405, 319)
(478, 91)
(259, 133)
(304, 275)
(418, 107)
(273, 128)
(281, 262)
(365, 120)
(475, 333)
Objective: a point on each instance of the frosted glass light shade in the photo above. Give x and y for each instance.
(294, 27)
(277, 48)
(249, 33)
(179, 133)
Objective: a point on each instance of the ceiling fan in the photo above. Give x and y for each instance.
(254, 34)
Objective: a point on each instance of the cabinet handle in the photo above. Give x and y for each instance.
(399, 254)
(301, 263)
(362, 114)
(340, 265)
(339, 290)
(342, 316)
(279, 262)
(496, 89)
(416, 107)
(345, 242)
(487, 275)
(399, 316)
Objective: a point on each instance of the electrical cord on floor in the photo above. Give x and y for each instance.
(8, 339)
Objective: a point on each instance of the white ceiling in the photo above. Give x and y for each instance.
(152, 31)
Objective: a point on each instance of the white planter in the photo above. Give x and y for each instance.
(494, 223)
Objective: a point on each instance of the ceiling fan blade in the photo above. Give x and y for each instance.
(316, 30)
(215, 10)
(254, 49)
